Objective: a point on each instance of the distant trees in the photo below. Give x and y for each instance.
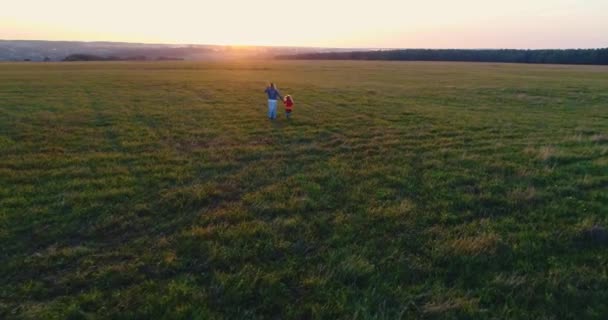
(92, 57)
(84, 57)
(568, 56)
(169, 59)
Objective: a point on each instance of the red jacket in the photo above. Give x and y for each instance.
(288, 104)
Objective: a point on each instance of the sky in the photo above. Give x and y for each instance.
(315, 23)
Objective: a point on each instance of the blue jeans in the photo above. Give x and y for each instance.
(272, 109)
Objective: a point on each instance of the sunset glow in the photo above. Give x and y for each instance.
(337, 23)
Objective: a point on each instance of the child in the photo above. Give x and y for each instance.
(288, 105)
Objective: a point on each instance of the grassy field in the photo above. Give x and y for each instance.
(397, 191)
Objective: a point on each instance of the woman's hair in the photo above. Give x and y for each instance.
(272, 85)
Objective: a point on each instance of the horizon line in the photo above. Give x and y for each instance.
(292, 46)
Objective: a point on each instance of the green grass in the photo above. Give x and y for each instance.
(397, 191)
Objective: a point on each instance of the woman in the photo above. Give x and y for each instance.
(273, 94)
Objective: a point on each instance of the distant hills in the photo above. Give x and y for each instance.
(26, 50)
(20, 50)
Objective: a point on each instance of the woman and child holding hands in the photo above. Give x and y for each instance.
(273, 95)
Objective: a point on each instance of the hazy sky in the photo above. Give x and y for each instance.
(334, 23)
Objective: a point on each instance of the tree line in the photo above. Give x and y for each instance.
(554, 56)
(92, 57)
